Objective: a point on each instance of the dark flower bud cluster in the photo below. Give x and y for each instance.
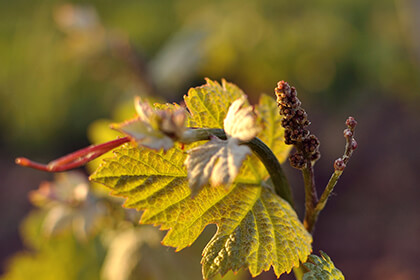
(295, 120)
(351, 144)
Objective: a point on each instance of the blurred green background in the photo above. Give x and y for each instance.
(64, 65)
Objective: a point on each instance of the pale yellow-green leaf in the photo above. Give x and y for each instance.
(273, 133)
(269, 234)
(209, 104)
(256, 228)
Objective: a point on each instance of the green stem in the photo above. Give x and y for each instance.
(262, 151)
(311, 197)
(327, 192)
(314, 207)
(281, 185)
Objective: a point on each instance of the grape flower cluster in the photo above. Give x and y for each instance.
(295, 120)
(351, 145)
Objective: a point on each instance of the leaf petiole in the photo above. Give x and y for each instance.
(75, 159)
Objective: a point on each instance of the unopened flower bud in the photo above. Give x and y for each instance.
(351, 122)
(347, 133)
(287, 137)
(282, 85)
(299, 134)
(315, 156)
(301, 117)
(288, 141)
(286, 123)
(297, 160)
(310, 144)
(294, 102)
(353, 144)
(288, 113)
(339, 164)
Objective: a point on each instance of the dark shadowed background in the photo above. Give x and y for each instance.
(64, 65)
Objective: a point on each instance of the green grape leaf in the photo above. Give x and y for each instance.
(321, 268)
(267, 233)
(256, 228)
(209, 103)
(273, 134)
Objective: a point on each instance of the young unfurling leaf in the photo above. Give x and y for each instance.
(154, 128)
(240, 122)
(218, 161)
